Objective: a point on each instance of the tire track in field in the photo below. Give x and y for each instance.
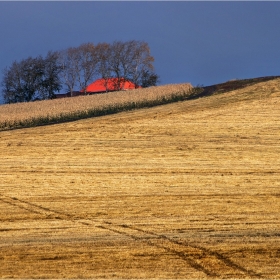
(212, 263)
(13, 201)
(206, 252)
(34, 208)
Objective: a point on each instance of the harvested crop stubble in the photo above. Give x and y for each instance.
(188, 190)
(64, 109)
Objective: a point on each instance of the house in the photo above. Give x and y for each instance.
(102, 86)
(68, 94)
(110, 84)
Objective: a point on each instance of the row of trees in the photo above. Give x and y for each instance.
(41, 77)
(32, 78)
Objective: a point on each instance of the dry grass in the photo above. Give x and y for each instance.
(185, 190)
(60, 110)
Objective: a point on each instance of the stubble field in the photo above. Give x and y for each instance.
(185, 190)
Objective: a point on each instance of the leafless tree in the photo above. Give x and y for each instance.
(117, 63)
(103, 54)
(87, 64)
(130, 61)
(141, 61)
(69, 62)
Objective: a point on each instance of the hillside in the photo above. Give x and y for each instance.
(188, 190)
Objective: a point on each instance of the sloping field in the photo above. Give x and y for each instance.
(186, 190)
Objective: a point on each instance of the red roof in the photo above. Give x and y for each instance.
(112, 85)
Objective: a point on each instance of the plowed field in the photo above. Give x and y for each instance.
(186, 190)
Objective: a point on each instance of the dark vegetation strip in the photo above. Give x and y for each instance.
(230, 85)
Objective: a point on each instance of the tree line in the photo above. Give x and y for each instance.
(41, 77)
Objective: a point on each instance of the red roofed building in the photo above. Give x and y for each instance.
(110, 84)
(68, 94)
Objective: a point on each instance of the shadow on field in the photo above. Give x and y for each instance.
(204, 91)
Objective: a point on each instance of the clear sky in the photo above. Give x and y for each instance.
(198, 42)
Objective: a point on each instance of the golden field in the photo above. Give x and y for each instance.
(181, 191)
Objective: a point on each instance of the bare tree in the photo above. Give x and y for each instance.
(87, 64)
(69, 63)
(141, 61)
(103, 54)
(129, 61)
(79, 66)
(116, 61)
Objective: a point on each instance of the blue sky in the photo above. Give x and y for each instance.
(197, 42)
